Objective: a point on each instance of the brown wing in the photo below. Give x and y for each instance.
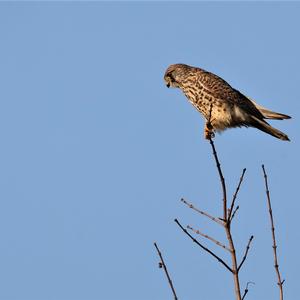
(223, 91)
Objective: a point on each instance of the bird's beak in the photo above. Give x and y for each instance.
(168, 84)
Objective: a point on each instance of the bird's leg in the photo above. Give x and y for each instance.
(208, 131)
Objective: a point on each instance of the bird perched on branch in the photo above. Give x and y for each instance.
(221, 105)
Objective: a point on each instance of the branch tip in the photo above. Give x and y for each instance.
(274, 246)
(190, 205)
(246, 253)
(230, 217)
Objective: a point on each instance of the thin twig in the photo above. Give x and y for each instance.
(276, 266)
(217, 220)
(203, 247)
(234, 212)
(235, 194)
(162, 264)
(246, 252)
(221, 179)
(246, 289)
(208, 237)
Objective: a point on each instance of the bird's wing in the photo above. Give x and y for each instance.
(224, 92)
(269, 114)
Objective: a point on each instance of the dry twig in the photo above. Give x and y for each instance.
(276, 266)
(208, 237)
(246, 252)
(217, 220)
(163, 265)
(222, 179)
(233, 214)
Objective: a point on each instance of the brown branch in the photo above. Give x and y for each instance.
(227, 226)
(221, 179)
(217, 220)
(203, 247)
(235, 194)
(246, 252)
(276, 266)
(208, 237)
(163, 265)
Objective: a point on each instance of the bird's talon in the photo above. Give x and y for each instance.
(208, 131)
(209, 134)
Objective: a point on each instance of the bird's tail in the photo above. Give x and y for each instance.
(268, 114)
(264, 126)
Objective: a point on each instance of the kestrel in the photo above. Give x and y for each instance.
(221, 105)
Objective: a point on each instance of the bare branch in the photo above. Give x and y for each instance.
(203, 247)
(276, 266)
(217, 220)
(208, 237)
(221, 179)
(227, 226)
(246, 252)
(162, 264)
(246, 289)
(236, 193)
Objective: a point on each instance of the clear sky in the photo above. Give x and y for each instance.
(96, 152)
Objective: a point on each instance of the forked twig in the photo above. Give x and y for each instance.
(217, 220)
(203, 247)
(276, 266)
(246, 252)
(163, 265)
(208, 237)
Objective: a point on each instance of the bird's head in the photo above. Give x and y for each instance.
(174, 74)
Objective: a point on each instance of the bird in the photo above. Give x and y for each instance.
(221, 105)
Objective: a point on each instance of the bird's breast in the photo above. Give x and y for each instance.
(218, 111)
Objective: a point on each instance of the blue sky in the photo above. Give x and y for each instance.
(96, 152)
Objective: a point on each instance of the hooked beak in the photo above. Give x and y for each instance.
(168, 84)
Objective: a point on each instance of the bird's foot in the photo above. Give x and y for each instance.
(208, 131)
